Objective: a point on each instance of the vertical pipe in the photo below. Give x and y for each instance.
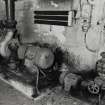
(10, 10)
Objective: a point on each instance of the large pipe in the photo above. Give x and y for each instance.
(41, 56)
(10, 10)
(4, 50)
(10, 18)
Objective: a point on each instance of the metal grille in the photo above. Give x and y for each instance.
(63, 18)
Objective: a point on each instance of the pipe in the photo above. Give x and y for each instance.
(4, 50)
(10, 10)
(10, 18)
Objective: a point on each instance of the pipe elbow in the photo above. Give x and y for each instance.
(4, 50)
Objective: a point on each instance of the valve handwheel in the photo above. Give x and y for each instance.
(93, 87)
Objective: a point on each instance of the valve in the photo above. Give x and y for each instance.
(93, 87)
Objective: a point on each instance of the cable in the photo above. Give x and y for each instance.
(85, 36)
(37, 78)
(94, 51)
(37, 81)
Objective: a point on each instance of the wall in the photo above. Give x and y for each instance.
(72, 38)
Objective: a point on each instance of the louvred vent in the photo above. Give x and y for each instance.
(63, 18)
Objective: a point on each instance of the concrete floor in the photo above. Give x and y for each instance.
(10, 96)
